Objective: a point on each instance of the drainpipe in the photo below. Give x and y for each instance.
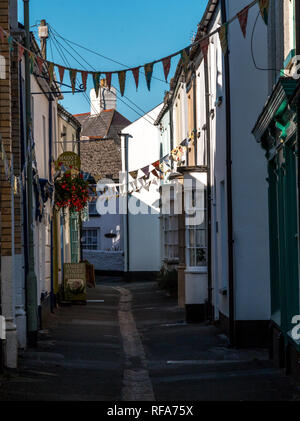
(229, 188)
(52, 298)
(31, 281)
(124, 142)
(78, 131)
(209, 202)
(195, 117)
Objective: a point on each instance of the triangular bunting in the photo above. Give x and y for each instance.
(243, 19)
(148, 73)
(20, 52)
(61, 72)
(264, 10)
(146, 170)
(51, 72)
(122, 80)
(133, 174)
(73, 74)
(223, 31)
(136, 75)
(204, 44)
(10, 43)
(84, 76)
(185, 57)
(166, 65)
(40, 62)
(108, 79)
(96, 80)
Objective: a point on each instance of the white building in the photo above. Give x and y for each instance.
(142, 229)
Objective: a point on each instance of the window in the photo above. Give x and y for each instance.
(171, 237)
(90, 239)
(197, 234)
(73, 143)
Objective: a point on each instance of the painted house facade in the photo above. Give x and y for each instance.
(222, 271)
(277, 130)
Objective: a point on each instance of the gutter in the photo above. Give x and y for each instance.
(229, 188)
(208, 157)
(52, 298)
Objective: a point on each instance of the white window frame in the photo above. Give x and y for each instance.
(195, 243)
(171, 237)
(84, 245)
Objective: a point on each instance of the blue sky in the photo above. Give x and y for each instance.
(130, 32)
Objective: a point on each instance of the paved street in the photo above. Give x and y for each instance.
(135, 346)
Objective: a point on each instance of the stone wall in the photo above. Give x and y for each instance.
(105, 260)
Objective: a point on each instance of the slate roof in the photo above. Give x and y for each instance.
(107, 123)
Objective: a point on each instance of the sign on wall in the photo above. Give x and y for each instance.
(75, 281)
(69, 159)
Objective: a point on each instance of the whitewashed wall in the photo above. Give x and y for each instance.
(249, 173)
(144, 230)
(42, 237)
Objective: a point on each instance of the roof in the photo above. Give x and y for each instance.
(62, 111)
(106, 124)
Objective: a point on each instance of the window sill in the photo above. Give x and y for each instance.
(202, 269)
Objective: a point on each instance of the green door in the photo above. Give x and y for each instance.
(284, 237)
(74, 234)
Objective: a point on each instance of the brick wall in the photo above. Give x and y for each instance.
(16, 145)
(6, 132)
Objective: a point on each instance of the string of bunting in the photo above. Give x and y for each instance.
(242, 17)
(144, 177)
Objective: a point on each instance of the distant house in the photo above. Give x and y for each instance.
(100, 152)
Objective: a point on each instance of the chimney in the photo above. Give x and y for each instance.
(107, 100)
(43, 35)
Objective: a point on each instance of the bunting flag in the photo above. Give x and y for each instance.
(61, 72)
(243, 19)
(122, 80)
(167, 66)
(136, 75)
(31, 61)
(1, 35)
(10, 43)
(223, 32)
(108, 79)
(146, 170)
(84, 76)
(148, 73)
(133, 174)
(73, 74)
(20, 52)
(204, 44)
(96, 80)
(156, 164)
(185, 57)
(40, 63)
(51, 72)
(264, 10)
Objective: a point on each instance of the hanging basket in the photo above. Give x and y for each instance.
(71, 192)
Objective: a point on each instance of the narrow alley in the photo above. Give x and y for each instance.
(130, 343)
